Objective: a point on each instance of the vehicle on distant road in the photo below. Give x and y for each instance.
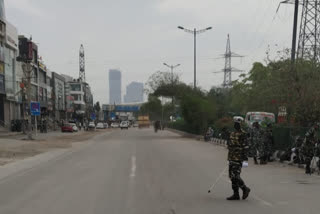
(105, 125)
(144, 122)
(74, 127)
(91, 125)
(124, 125)
(67, 127)
(115, 125)
(135, 125)
(100, 126)
(260, 117)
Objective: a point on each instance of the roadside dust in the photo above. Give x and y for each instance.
(24, 148)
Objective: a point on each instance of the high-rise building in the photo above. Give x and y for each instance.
(134, 93)
(114, 86)
(2, 10)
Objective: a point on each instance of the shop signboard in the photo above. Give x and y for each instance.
(35, 108)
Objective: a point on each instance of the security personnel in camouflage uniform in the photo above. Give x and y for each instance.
(317, 153)
(255, 139)
(309, 145)
(238, 152)
(267, 145)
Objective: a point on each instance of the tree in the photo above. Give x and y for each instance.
(162, 80)
(97, 107)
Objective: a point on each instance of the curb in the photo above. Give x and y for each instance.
(185, 134)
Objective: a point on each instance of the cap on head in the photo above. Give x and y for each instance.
(238, 120)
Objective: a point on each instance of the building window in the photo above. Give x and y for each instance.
(34, 93)
(40, 94)
(75, 87)
(45, 95)
(34, 75)
(2, 86)
(48, 81)
(9, 73)
(77, 97)
(42, 77)
(35, 57)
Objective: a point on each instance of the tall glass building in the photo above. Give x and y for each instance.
(114, 86)
(134, 93)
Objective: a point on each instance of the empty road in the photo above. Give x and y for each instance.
(141, 172)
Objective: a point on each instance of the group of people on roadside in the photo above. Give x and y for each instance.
(261, 143)
(306, 149)
(209, 134)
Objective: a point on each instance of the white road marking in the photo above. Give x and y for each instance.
(133, 167)
(262, 201)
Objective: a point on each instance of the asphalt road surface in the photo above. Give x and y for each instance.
(141, 172)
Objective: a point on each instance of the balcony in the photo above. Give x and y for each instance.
(76, 92)
(78, 102)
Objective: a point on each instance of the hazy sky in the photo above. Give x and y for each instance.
(137, 36)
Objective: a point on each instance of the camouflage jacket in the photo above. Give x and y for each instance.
(255, 137)
(311, 135)
(309, 144)
(308, 148)
(238, 146)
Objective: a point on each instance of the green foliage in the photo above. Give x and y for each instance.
(182, 125)
(265, 88)
(97, 107)
(198, 112)
(224, 122)
(152, 108)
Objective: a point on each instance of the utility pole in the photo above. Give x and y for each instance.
(194, 32)
(27, 70)
(294, 34)
(26, 57)
(195, 58)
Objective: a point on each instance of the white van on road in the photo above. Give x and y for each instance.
(259, 117)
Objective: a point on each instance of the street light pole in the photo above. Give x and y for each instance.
(195, 58)
(195, 32)
(171, 67)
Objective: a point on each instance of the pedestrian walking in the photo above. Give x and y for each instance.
(238, 153)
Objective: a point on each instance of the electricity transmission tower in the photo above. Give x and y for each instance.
(309, 37)
(308, 43)
(82, 68)
(228, 69)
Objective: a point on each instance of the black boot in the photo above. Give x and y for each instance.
(246, 191)
(234, 197)
(308, 169)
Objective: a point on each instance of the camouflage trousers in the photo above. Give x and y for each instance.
(234, 175)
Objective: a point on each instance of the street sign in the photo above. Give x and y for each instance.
(35, 108)
(127, 108)
(93, 116)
